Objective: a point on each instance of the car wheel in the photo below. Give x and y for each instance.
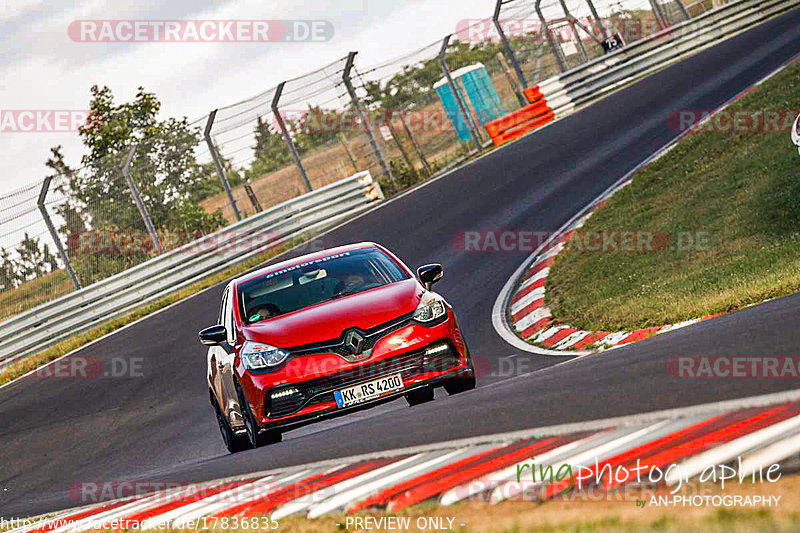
(418, 396)
(233, 442)
(460, 384)
(255, 435)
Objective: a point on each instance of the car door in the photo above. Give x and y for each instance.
(225, 361)
(216, 361)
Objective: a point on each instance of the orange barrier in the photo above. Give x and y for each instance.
(519, 122)
(533, 94)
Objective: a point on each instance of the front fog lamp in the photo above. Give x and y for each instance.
(257, 356)
(430, 308)
(284, 393)
(438, 349)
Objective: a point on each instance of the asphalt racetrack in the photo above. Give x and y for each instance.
(159, 425)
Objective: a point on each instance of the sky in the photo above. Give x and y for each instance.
(43, 68)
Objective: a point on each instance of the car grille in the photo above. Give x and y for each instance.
(321, 389)
(371, 338)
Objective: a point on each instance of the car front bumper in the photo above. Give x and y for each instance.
(401, 352)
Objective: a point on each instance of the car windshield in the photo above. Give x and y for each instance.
(317, 281)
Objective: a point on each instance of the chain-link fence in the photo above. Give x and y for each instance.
(402, 119)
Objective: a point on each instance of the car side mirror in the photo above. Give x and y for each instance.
(214, 335)
(430, 274)
(796, 133)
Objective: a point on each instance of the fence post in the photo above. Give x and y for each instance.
(457, 94)
(593, 9)
(509, 51)
(414, 143)
(137, 198)
(683, 9)
(53, 233)
(221, 171)
(510, 79)
(658, 13)
(557, 51)
(252, 196)
(364, 118)
(347, 151)
(573, 24)
(400, 146)
(287, 137)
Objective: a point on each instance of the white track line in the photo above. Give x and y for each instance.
(225, 499)
(345, 499)
(543, 273)
(302, 504)
(546, 334)
(571, 339)
(772, 454)
(612, 339)
(476, 486)
(730, 450)
(531, 319)
(135, 505)
(535, 294)
(679, 325)
(256, 490)
(511, 489)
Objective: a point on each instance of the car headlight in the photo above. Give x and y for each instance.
(257, 356)
(430, 308)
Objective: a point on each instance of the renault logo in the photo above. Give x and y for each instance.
(354, 342)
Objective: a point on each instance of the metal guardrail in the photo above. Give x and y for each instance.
(591, 81)
(116, 295)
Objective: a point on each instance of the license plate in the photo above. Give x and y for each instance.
(368, 391)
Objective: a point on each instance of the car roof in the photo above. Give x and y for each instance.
(304, 258)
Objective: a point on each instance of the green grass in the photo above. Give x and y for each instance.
(739, 189)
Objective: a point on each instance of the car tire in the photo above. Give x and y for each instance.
(233, 442)
(418, 396)
(461, 383)
(255, 435)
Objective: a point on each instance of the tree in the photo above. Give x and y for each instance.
(9, 275)
(34, 261)
(69, 210)
(164, 166)
(317, 127)
(271, 151)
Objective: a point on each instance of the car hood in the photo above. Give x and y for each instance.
(327, 321)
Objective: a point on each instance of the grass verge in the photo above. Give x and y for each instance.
(729, 201)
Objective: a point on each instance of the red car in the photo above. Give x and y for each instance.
(326, 334)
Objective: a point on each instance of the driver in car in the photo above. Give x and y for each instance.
(263, 312)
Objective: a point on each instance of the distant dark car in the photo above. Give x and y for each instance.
(326, 334)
